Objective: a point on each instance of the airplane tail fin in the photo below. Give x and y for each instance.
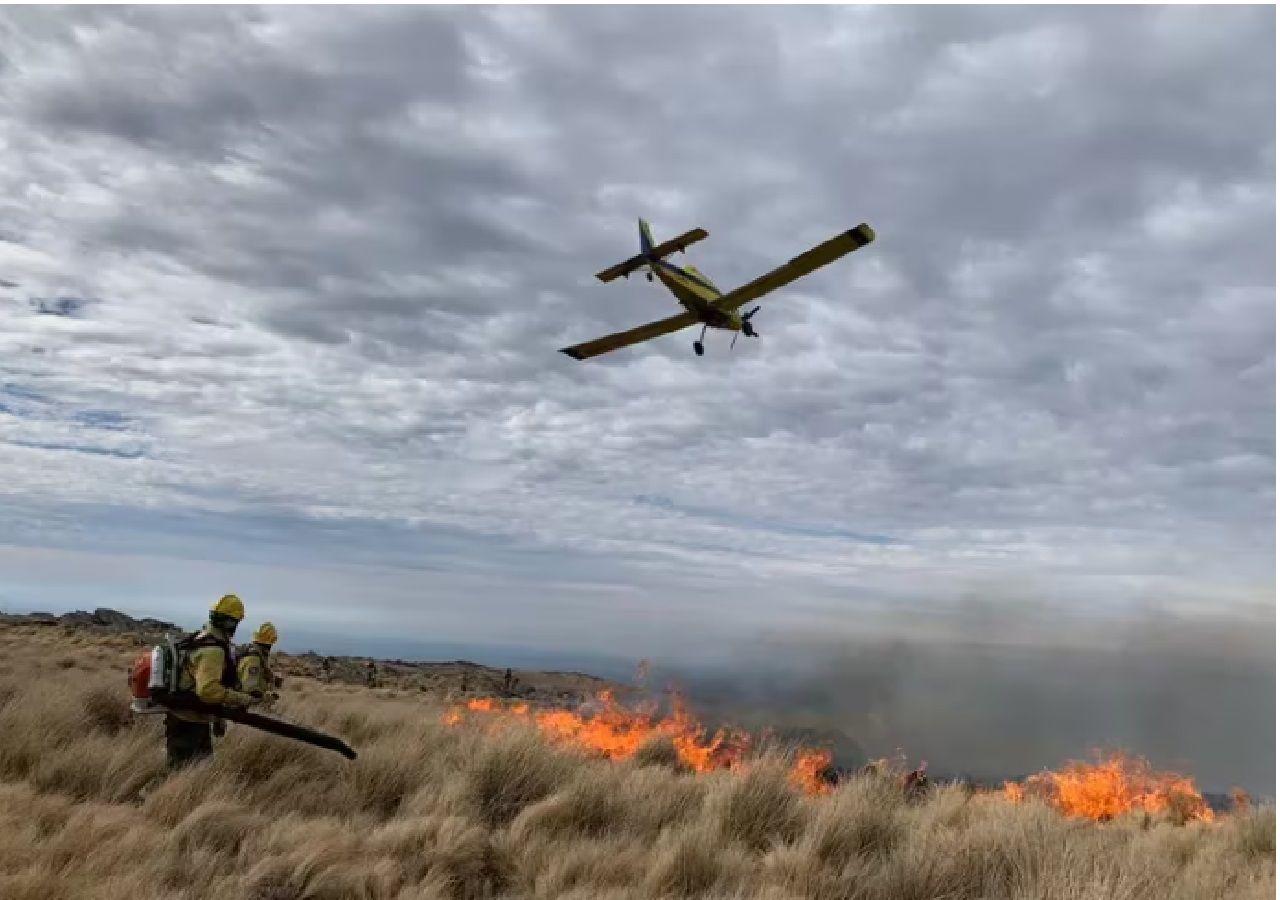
(650, 251)
(646, 237)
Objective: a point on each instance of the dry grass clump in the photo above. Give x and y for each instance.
(430, 812)
(757, 808)
(510, 771)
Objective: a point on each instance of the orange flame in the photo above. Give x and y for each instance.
(616, 732)
(807, 771)
(1112, 786)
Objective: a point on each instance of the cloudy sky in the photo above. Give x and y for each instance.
(281, 293)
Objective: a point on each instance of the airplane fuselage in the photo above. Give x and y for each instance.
(695, 292)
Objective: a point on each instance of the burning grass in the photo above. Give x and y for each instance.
(470, 810)
(612, 731)
(1113, 785)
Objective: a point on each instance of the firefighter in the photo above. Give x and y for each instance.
(254, 665)
(206, 671)
(915, 786)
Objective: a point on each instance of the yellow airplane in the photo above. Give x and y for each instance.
(702, 300)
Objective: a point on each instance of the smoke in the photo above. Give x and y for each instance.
(995, 689)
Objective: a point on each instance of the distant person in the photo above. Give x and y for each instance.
(916, 784)
(254, 666)
(326, 671)
(370, 674)
(506, 682)
(206, 671)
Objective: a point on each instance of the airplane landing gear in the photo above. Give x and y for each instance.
(698, 348)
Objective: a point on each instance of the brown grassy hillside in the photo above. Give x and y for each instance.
(431, 811)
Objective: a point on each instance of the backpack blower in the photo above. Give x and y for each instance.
(153, 682)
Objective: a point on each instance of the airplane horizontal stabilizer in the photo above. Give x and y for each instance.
(666, 248)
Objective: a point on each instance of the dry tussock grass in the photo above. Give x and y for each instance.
(435, 813)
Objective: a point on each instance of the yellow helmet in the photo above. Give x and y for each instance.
(266, 634)
(229, 606)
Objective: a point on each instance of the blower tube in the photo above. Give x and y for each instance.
(263, 723)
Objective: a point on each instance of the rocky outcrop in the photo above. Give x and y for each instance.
(40, 618)
(77, 619)
(100, 620)
(116, 620)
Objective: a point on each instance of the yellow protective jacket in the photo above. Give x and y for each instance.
(254, 671)
(208, 672)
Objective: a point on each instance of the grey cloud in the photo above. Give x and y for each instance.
(58, 306)
(75, 448)
(205, 81)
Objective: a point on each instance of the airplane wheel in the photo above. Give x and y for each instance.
(697, 347)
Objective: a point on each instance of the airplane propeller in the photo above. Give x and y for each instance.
(747, 328)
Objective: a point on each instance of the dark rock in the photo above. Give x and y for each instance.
(157, 625)
(78, 619)
(113, 619)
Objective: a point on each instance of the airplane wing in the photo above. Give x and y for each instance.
(825, 253)
(666, 248)
(634, 336)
